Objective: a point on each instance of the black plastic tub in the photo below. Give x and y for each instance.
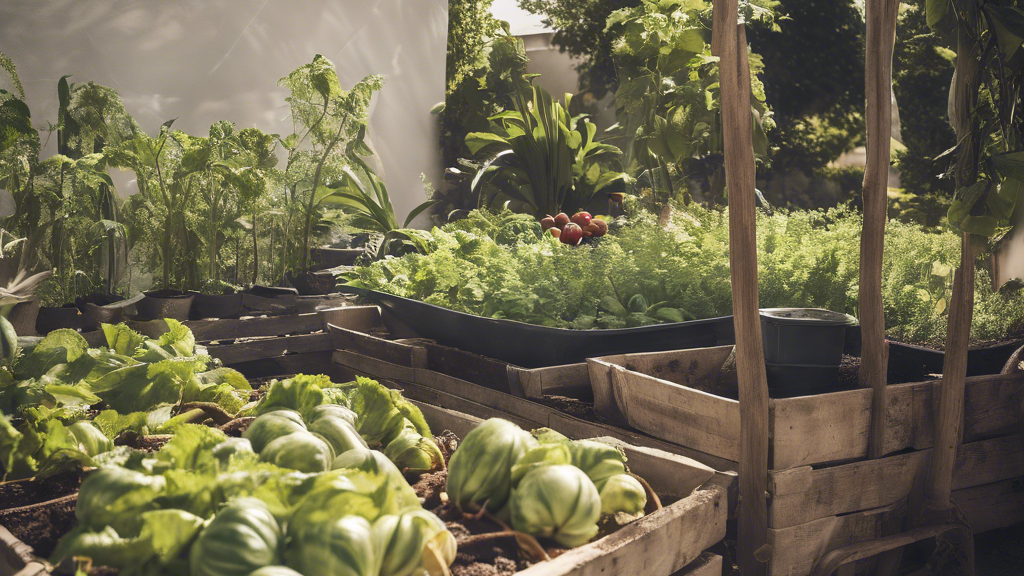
(912, 362)
(531, 346)
(803, 349)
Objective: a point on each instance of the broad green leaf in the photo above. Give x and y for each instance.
(122, 339)
(935, 11)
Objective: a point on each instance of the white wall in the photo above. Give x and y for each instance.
(208, 60)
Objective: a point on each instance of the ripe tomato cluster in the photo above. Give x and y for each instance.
(573, 230)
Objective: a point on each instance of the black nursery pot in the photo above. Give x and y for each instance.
(96, 309)
(216, 306)
(803, 349)
(164, 304)
(57, 317)
(269, 300)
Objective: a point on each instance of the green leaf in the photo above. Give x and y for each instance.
(122, 339)
(935, 11)
(1009, 27)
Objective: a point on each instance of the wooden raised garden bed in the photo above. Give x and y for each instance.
(450, 377)
(672, 540)
(823, 491)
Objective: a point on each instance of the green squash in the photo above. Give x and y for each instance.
(274, 571)
(272, 425)
(402, 542)
(244, 536)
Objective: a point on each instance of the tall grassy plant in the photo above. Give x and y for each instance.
(542, 157)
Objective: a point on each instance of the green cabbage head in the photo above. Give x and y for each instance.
(302, 451)
(272, 425)
(414, 453)
(623, 493)
(228, 448)
(598, 460)
(244, 536)
(558, 502)
(117, 497)
(340, 433)
(343, 547)
(411, 541)
(480, 471)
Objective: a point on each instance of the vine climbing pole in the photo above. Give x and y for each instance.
(880, 38)
(938, 517)
(729, 43)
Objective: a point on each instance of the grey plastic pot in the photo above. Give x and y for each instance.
(164, 304)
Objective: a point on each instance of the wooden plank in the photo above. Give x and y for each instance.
(518, 407)
(307, 363)
(387, 350)
(373, 367)
(271, 347)
(800, 495)
(796, 548)
(469, 367)
(571, 380)
(681, 415)
(839, 422)
(992, 506)
(206, 330)
(708, 564)
(605, 406)
(361, 318)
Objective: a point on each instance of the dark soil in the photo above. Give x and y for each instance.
(581, 409)
(41, 525)
(19, 493)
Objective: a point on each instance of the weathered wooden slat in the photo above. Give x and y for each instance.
(390, 351)
(800, 495)
(206, 330)
(269, 348)
(305, 363)
(796, 548)
(517, 407)
(373, 367)
(992, 506)
(681, 415)
(571, 380)
(839, 422)
(361, 318)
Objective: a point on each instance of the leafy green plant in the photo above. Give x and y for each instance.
(804, 261)
(667, 96)
(541, 157)
(333, 122)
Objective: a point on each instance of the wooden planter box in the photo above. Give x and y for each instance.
(450, 377)
(823, 492)
(673, 540)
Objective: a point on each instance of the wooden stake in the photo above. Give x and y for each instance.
(730, 45)
(879, 42)
(950, 418)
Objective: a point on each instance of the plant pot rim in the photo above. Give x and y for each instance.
(168, 294)
(806, 317)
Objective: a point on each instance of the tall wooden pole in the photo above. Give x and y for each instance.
(879, 42)
(730, 45)
(950, 417)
